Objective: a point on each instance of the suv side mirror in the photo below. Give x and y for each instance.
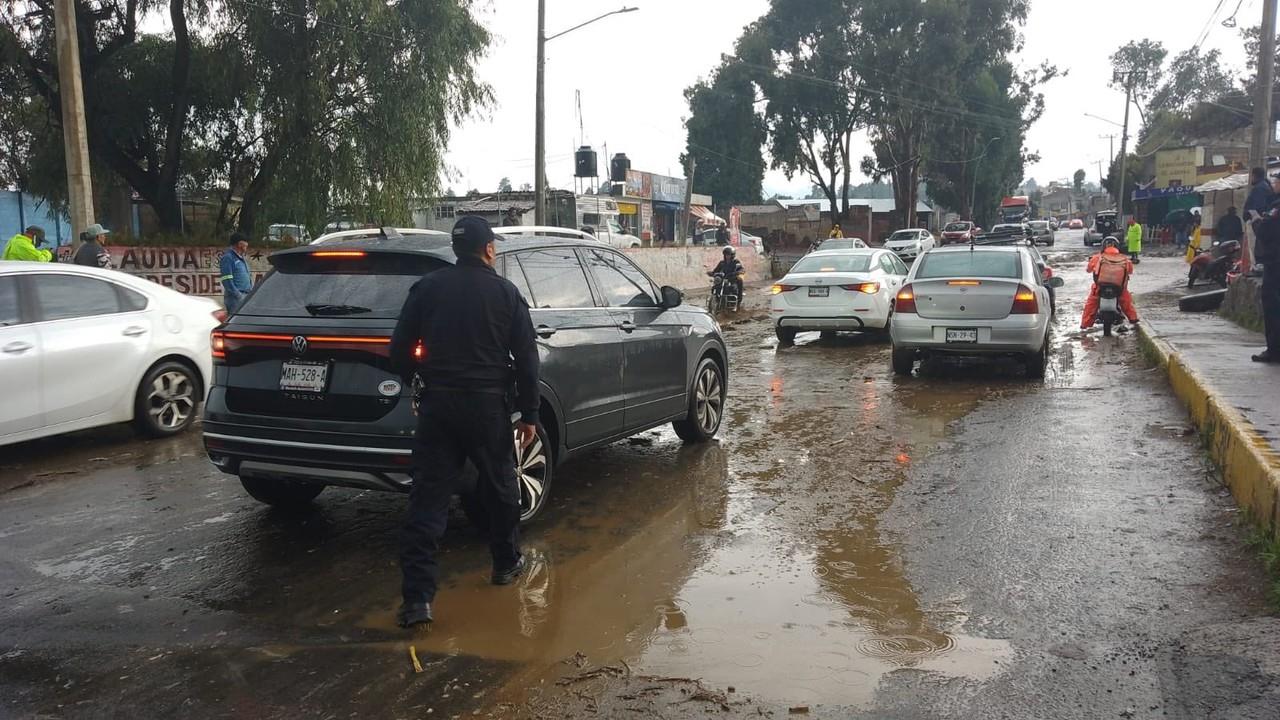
(671, 297)
(1055, 282)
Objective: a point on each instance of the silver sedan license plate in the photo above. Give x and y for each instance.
(964, 335)
(305, 376)
(819, 291)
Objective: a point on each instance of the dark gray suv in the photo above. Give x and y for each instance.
(303, 394)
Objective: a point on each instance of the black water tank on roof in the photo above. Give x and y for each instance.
(618, 167)
(584, 162)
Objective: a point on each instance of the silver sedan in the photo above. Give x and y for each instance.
(974, 301)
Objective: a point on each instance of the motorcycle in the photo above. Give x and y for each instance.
(1215, 263)
(724, 294)
(1109, 307)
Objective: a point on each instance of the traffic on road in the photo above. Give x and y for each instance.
(854, 518)
(840, 359)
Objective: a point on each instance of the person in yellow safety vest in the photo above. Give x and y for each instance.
(25, 246)
(1133, 236)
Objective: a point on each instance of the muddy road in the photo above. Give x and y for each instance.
(962, 543)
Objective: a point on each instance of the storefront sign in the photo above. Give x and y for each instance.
(646, 222)
(639, 184)
(668, 189)
(626, 208)
(189, 270)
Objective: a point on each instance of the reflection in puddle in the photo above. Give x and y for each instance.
(757, 562)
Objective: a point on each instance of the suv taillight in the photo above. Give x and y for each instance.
(218, 345)
(1024, 302)
(905, 300)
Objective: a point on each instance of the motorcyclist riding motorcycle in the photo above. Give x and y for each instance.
(1109, 267)
(731, 268)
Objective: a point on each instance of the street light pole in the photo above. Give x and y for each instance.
(540, 119)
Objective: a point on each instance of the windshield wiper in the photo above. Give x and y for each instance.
(337, 309)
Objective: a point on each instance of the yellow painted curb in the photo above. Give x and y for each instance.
(1250, 467)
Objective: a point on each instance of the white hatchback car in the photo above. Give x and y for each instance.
(991, 300)
(832, 290)
(82, 347)
(909, 244)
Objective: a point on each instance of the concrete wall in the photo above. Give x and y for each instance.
(194, 270)
(1243, 303)
(686, 268)
(18, 210)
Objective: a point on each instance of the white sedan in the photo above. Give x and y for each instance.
(82, 347)
(909, 244)
(832, 290)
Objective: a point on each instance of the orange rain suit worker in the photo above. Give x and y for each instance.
(1122, 268)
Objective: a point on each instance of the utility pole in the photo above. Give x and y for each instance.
(973, 189)
(1111, 145)
(75, 141)
(540, 128)
(1260, 137)
(688, 199)
(1129, 79)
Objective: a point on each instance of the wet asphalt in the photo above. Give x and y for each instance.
(961, 543)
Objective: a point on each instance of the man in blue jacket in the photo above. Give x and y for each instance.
(234, 273)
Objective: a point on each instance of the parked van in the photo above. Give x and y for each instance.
(598, 215)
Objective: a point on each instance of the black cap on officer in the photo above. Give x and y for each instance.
(471, 234)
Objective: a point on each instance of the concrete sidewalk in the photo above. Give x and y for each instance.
(1234, 402)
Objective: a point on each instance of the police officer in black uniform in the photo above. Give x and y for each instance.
(477, 336)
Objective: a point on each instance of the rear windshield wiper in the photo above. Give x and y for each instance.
(337, 309)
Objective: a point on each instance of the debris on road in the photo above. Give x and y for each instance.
(413, 655)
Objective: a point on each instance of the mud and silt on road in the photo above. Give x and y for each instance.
(854, 543)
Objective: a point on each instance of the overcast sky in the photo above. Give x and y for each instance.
(632, 69)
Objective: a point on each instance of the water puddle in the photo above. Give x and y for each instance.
(755, 563)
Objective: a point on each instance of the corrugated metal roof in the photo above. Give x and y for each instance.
(877, 205)
(493, 205)
(759, 209)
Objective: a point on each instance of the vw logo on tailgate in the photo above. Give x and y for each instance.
(299, 345)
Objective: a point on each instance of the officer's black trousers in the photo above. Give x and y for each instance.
(454, 427)
(1271, 305)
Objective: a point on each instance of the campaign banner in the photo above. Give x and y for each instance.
(188, 270)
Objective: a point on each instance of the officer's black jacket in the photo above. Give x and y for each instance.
(476, 331)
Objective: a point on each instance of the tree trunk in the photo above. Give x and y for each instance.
(167, 200)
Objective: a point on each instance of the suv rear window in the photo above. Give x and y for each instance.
(973, 263)
(956, 227)
(371, 287)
